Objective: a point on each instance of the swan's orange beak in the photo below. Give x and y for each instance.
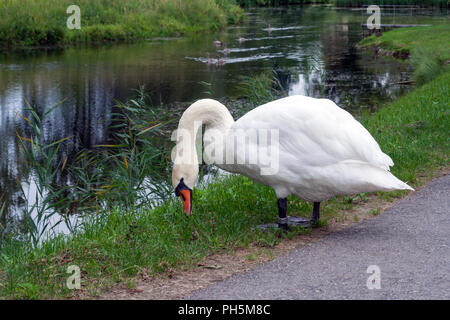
(185, 193)
(186, 197)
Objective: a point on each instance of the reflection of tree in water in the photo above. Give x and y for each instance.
(84, 117)
(352, 79)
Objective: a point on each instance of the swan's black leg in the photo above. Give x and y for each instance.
(282, 214)
(316, 213)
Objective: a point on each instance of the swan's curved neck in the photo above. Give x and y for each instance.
(208, 112)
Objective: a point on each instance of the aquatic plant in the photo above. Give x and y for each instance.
(131, 169)
(263, 87)
(40, 193)
(127, 172)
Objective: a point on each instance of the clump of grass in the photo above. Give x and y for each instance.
(426, 65)
(375, 212)
(261, 88)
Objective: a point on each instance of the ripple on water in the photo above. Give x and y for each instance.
(245, 49)
(286, 28)
(228, 60)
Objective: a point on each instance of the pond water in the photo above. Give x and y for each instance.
(314, 47)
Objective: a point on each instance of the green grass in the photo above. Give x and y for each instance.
(120, 245)
(414, 129)
(114, 247)
(433, 38)
(428, 48)
(30, 23)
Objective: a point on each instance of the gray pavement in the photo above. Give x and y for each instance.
(409, 242)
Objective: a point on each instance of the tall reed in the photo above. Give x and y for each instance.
(261, 88)
(40, 194)
(130, 170)
(127, 172)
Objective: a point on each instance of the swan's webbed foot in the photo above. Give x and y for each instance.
(284, 222)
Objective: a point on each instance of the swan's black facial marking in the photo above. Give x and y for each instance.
(181, 186)
(185, 193)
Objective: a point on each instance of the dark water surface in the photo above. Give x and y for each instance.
(313, 47)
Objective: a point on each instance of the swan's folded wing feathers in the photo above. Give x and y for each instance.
(316, 132)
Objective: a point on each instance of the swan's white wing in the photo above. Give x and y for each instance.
(315, 132)
(322, 151)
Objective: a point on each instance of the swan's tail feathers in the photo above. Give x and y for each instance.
(364, 176)
(401, 185)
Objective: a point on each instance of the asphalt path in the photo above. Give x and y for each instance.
(402, 254)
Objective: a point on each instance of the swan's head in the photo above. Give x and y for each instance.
(183, 180)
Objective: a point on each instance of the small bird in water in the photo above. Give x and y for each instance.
(226, 51)
(241, 39)
(220, 62)
(208, 59)
(217, 43)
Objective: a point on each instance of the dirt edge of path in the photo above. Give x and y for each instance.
(176, 284)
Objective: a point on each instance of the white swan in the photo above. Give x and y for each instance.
(321, 151)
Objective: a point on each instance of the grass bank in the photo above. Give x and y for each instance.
(427, 47)
(119, 245)
(29, 23)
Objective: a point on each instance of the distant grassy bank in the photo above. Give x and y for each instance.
(30, 23)
(427, 47)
